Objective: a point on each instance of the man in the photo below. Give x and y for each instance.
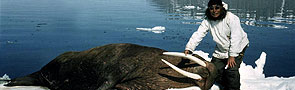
(231, 42)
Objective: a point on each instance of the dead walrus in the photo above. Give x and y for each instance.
(117, 67)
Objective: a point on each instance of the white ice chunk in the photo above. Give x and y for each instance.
(5, 77)
(189, 7)
(156, 29)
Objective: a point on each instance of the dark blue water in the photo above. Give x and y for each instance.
(33, 32)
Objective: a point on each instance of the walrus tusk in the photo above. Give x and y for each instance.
(185, 73)
(188, 56)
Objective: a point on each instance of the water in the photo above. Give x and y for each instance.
(32, 33)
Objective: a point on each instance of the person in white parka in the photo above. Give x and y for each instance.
(231, 43)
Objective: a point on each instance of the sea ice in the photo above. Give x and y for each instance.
(5, 78)
(253, 78)
(156, 29)
(189, 7)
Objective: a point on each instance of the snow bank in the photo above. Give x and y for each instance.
(23, 88)
(189, 7)
(253, 78)
(5, 78)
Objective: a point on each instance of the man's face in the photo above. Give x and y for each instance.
(215, 10)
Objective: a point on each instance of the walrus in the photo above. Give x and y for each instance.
(120, 66)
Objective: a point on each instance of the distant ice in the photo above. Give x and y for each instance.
(225, 5)
(189, 7)
(251, 79)
(156, 29)
(11, 42)
(279, 26)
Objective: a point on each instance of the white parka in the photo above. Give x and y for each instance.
(228, 34)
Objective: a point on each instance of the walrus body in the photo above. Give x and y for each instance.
(116, 66)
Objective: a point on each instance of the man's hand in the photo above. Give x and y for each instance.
(186, 52)
(231, 62)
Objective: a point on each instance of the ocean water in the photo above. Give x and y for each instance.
(34, 32)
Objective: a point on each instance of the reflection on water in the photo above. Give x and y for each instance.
(267, 23)
(261, 13)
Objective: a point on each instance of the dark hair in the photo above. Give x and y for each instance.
(214, 2)
(221, 16)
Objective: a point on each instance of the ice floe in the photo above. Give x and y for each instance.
(156, 29)
(189, 7)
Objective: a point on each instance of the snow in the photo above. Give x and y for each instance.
(254, 79)
(5, 77)
(23, 88)
(251, 79)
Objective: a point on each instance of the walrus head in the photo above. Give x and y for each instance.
(204, 74)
